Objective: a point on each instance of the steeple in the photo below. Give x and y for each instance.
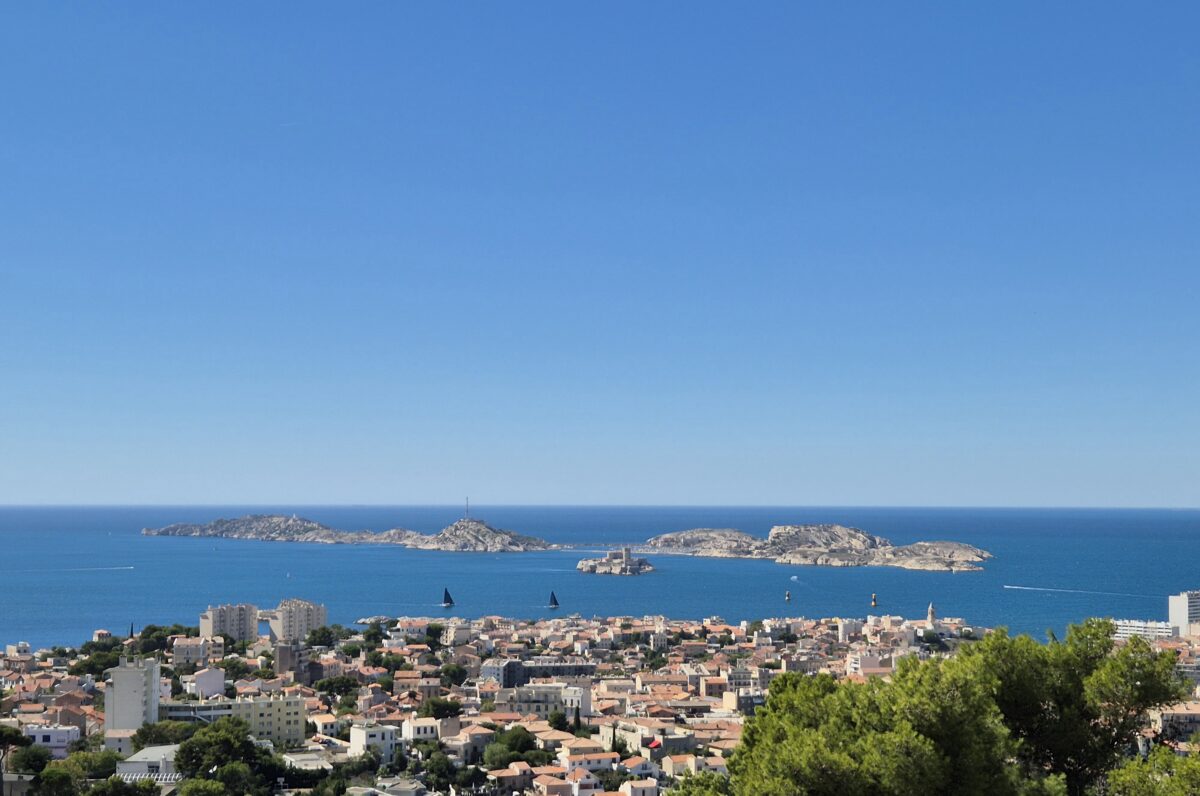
(931, 616)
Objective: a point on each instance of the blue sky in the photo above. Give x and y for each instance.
(607, 253)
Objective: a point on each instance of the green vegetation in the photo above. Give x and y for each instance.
(54, 782)
(11, 738)
(115, 787)
(339, 686)
(163, 732)
(1162, 773)
(96, 663)
(374, 634)
(1076, 705)
(327, 636)
(223, 752)
(706, 783)
(452, 674)
(235, 668)
(611, 780)
(388, 660)
(1005, 716)
(513, 745)
(30, 759)
(439, 708)
(153, 638)
(88, 765)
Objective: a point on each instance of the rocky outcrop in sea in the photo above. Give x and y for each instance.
(820, 545)
(465, 535)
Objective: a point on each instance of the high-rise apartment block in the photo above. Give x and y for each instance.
(293, 620)
(239, 622)
(1183, 612)
(133, 693)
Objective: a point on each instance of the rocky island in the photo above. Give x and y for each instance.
(618, 562)
(817, 545)
(466, 535)
(820, 545)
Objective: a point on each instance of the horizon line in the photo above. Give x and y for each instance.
(285, 504)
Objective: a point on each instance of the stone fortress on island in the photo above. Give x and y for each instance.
(617, 562)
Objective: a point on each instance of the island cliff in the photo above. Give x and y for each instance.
(819, 545)
(466, 535)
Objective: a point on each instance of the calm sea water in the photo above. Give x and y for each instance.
(66, 571)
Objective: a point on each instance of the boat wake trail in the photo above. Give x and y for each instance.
(1085, 591)
(76, 569)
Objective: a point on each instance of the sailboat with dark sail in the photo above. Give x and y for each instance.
(447, 600)
(553, 600)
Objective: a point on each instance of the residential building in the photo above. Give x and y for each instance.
(133, 694)
(205, 684)
(1183, 612)
(197, 651)
(639, 787)
(1141, 628)
(1178, 722)
(542, 699)
(278, 718)
(294, 619)
(512, 672)
(239, 622)
(152, 762)
(292, 659)
(382, 739)
(54, 737)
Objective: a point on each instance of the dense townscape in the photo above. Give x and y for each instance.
(585, 707)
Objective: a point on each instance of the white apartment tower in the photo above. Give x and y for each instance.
(293, 620)
(239, 622)
(132, 696)
(1183, 612)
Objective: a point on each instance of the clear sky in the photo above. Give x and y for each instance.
(669, 253)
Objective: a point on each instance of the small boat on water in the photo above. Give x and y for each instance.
(874, 602)
(553, 600)
(787, 596)
(447, 600)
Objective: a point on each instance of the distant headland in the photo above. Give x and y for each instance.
(813, 545)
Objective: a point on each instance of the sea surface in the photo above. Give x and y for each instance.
(65, 571)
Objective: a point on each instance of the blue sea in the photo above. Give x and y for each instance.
(65, 571)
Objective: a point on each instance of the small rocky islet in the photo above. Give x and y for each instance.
(813, 545)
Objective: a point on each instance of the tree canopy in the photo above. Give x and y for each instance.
(30, 759)
(439, 708)
(163, 732)
(1005, 716)
(1076, 705)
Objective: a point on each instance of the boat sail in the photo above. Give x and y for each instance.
(447, 600)
(553, 600)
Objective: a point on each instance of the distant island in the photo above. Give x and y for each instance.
(819, 545)
(814, 545)
(466, 535)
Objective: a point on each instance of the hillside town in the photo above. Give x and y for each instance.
(417, 705)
